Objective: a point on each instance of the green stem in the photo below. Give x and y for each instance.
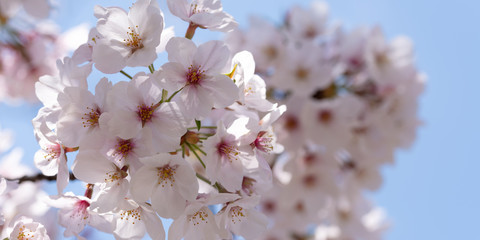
(196, 154)
(151, 68)
(173, 95)
(198, 148)
(183, 151)
(199, 176)
(220, 188)
(164, 95)
(126, 74)
(209, 127)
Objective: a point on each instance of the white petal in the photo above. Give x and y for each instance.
(125, 124)
(154, 226)
(167, 201)
(212, 56)
(224, 91)
(107, 59)
(142, 183)
(177, 229)
(186, 182)
(181, 50)
(92, 167)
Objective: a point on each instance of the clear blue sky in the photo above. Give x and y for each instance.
(431, 192)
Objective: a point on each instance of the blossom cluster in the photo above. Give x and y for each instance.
(205, 139)
(352, 101)
(143, 145)
(20, 202)
(30, 45)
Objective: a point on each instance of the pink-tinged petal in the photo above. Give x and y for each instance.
(158, 160)
(149, 92)
(125, 124)
(149, 19)
(207, 19)
(75, 122)
(223, 89)
(253, 225)
(186, 182)
(63, 175)
(100, 223)
(63, 201)
(181, 50)
(107, 59)
(117, 96)
(167, 201)
(231, 175)
(167, 34)
(115, 24)
(101, 90)
(174, 76)
(141, 10)
(74, 218)
(142, 57)
(82, 54)
(272, 116)
(178, 228)
(92, 167)
(179, 8)
(128, 226)
(109, 196)
(167, 127)
(142, 183)
(197, 101)
(46, 164)
(246, 63)
(154, 226)
(212, 56)
(47, 89)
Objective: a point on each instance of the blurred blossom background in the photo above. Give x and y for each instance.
(431, 192)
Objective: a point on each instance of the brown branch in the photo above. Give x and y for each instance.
(39, 177)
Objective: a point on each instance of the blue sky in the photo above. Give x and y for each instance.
(431, 192)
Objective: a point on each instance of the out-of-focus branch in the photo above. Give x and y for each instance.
(39, 177)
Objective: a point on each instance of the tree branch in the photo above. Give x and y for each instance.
(39, 177)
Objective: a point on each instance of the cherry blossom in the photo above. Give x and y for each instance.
(242, 219)
(133, 220)
(26, 228)
(196, 71)
(168, 180)
(228, 160)
(128, 39)
(202, 13)
(136, 107)
(75, 214)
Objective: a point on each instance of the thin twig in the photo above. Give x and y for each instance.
(39, 177)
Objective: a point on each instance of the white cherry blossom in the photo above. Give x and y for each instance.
(197, 72)
(81, 112)
(136, 107)
(168, 180)
(26, 228)
(203, 13)
(242, 219)
(75, 214)
(128, 39)
(132, 220)
(227, 160)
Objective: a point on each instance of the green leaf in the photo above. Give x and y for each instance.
(199, 124)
